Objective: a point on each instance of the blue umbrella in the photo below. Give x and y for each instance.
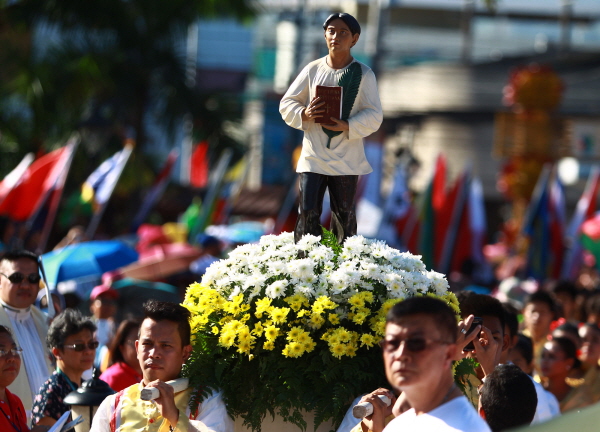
(91, 258)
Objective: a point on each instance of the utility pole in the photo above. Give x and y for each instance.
(373, 49)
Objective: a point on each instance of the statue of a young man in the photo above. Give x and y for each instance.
(333, 154)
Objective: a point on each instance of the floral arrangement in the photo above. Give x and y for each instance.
(283, 328)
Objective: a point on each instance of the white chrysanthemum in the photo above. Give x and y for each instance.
(301, 268)
(304, 288)
(356, 245)
(438, 282)
(276, 289)
(370, 270)
(321, 253)
(277, 268)
(308, 242)
(256, 280)
(310, 279)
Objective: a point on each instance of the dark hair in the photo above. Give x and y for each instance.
(6, 330)
(15, 255)
(525, 346)
(566, 287)
(511, 318)
(67, 323)
(159, 311)
(445, 318)
(508, 398)
(482, 305)
(542, 297)
(568, 347)
(569, 328)
(350, 21)
(592, 304)
(114, 350)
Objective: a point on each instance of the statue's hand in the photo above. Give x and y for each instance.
(340, 125)
(312, 111)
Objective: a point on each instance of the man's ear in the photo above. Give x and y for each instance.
(187, 352)
(505, 342)
(481, 412)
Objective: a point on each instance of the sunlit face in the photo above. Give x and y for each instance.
(72, 360)
(554, 362)
(497, 330)
(21, 295)
(537, 317)
(10, 364)
(339, 37)
(160, 351)
(406, 369)
(590, 347)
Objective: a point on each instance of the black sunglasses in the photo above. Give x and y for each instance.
(414, 345)
(81, 346)
(18, 277)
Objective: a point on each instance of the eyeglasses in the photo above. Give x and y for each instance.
(414, 345)
(18, 277)
(81, 346)
(12, 351)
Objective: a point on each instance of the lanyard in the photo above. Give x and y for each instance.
(18, 429)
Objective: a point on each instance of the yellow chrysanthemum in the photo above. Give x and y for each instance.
(262, 306)
(271, 333)
(215, 330)
(227, 339)
(359, 318)
(279, 315)
(293, 349)
(258, 329)
(334, 318)
(337, 350)
(293, 333)
(350, 350)
(269, 346)
(368, 340)
(316, 321)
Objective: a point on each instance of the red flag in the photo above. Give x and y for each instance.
(13, 177)
(199, 166)
(24, 200)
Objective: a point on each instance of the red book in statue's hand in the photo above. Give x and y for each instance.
(332, 96)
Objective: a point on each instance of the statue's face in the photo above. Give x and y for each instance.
(339, 37)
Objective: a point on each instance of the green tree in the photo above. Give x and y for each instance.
(114, 58)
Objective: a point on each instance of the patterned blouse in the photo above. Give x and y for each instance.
(49, 400)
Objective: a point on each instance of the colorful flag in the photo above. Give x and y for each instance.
(31, 191)
(544, 227)
(396, 207)
(13, 177)
(199, 166)
(586, 207)
(156, 191)
(430, 208)
(98, 187)
(453, 222)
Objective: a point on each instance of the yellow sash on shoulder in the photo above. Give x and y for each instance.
(138, 415)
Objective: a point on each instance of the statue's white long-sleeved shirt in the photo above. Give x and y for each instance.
(346, 155)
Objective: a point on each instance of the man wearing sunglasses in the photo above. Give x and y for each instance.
(19, 286)
(418, 350)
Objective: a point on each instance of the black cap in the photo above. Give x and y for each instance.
(350, 21)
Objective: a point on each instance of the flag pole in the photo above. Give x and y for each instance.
(57, 195)
(98, 215)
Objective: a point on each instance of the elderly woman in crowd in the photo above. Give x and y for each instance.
(72, 344)
(12, 416)
(125, 368)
